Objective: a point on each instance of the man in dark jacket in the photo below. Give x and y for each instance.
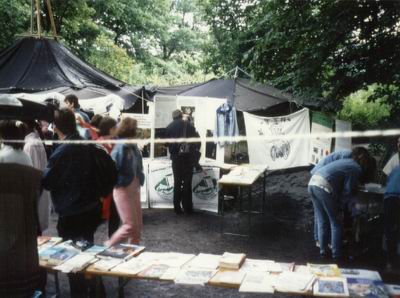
(183, 161)
(69, 178)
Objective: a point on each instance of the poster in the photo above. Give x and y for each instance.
(164, 106)
(143, 120)
(320, 147)
(342, 143)
(161, 186)
(278, 153)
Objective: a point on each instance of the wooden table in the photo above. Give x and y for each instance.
(243, 176)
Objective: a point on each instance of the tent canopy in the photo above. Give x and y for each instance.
(33, 65)
(13, 108)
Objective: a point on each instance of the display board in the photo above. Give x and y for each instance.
(320, 147)
(161, 186)
(278, 153)
(144, 121)
(163, 108)
(342, 143)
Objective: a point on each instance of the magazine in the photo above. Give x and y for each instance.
(194, 276)
(292, 282)
(393, 290)
(204, 261)
(95, 250)
(155, 271)
(331, 287)
(259, 282)
(132, 266)
(61, 256)
(121, 251)
(44, 254)
(106, 264)
(227, 278)
(254, 265)
(361, 287)
(325, 270)
(361, 273)
(76, 263)
(231, 261)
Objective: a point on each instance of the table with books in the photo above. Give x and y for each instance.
(243, 177)
(232, 270)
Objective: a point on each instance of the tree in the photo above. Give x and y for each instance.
(14, 19)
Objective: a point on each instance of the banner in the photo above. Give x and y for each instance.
(342, 143)
(161, 187)
(278, 154)
(320, 147)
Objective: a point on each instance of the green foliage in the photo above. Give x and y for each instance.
(14, 19)
(362, 112)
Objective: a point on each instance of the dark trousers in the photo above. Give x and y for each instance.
(81, 226)
(182, 169)
(114, 220)
(392, 213)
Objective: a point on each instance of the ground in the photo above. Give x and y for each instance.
(282, 234)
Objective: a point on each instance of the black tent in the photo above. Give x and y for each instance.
(244, 94)
(12, 108)
(34, 65)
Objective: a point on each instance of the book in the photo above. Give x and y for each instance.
(325, 270)
(42, 240)
(76, 263)
(155, 271)
(361, 287)
(95, 250)
(194, 276)
(44, 254)
(133, 266)
(106, 264)
(393, 290)
(292, 282)
(254, 265)
(50, 243)
(121, 251)
(231, 261)
(61, 256)
(259, 282)
(227, 278)
(360, 273)
(204, 261)
(331, 287)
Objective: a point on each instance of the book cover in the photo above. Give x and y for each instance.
(360, 273)
(155, 271)
(260, 282)
(325, 270)
(227, 278)
(61, 256)
(393, 290)
(232, 260)
(76, 263)
(331, 287)
(121, 251)
(45, 254)
(361, 287)
(133, 266)
(204, 261)
(194, 276)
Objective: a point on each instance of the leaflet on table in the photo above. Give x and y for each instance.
(260, 282)
(331, 287)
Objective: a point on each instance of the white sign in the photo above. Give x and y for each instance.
(320, 147)
(278, 153)
(342, 143)
(164, 106)
(161, 187)
(143, 120)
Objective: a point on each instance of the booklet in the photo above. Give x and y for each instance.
(227, 278)
(259, 282)
(254, 265)
(44, 254)
(331, 287)
(204, 261)
(231, 261)
(393, 290)
(194, 276)
(361, 273)
(106, 264)
(293, 282)
(95, 250)
(121, 251)
(132, 266)
(76, 263)
(361, 287)
(61, 256)
(154, 271)
(325, 270)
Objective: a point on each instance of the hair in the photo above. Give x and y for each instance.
(360, 154)
(10, 131)
(127, 128)
(32, 125)
(96, 120)
(72, 98)
(64, 120)
(105, 125)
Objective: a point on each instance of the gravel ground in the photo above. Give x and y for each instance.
(282, 234)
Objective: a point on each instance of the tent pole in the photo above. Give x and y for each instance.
(32, 15)
(39, 25)
(51, 16)
(142, 102)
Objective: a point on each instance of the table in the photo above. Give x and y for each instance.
(243, 176)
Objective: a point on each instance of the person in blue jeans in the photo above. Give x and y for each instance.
(332, 189)
(391, 205)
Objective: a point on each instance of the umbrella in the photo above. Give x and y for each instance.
(13, 108)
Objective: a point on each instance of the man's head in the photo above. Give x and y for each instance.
(177, 114)
(71, 101)
(64, 122)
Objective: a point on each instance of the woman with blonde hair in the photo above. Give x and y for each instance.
(126, 193)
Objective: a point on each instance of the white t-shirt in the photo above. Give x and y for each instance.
(10, 155)
(393, 162)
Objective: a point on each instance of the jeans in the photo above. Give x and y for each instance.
(182, 169)
(392, 213)
(327, 213)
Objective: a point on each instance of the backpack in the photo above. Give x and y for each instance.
(105, 173)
